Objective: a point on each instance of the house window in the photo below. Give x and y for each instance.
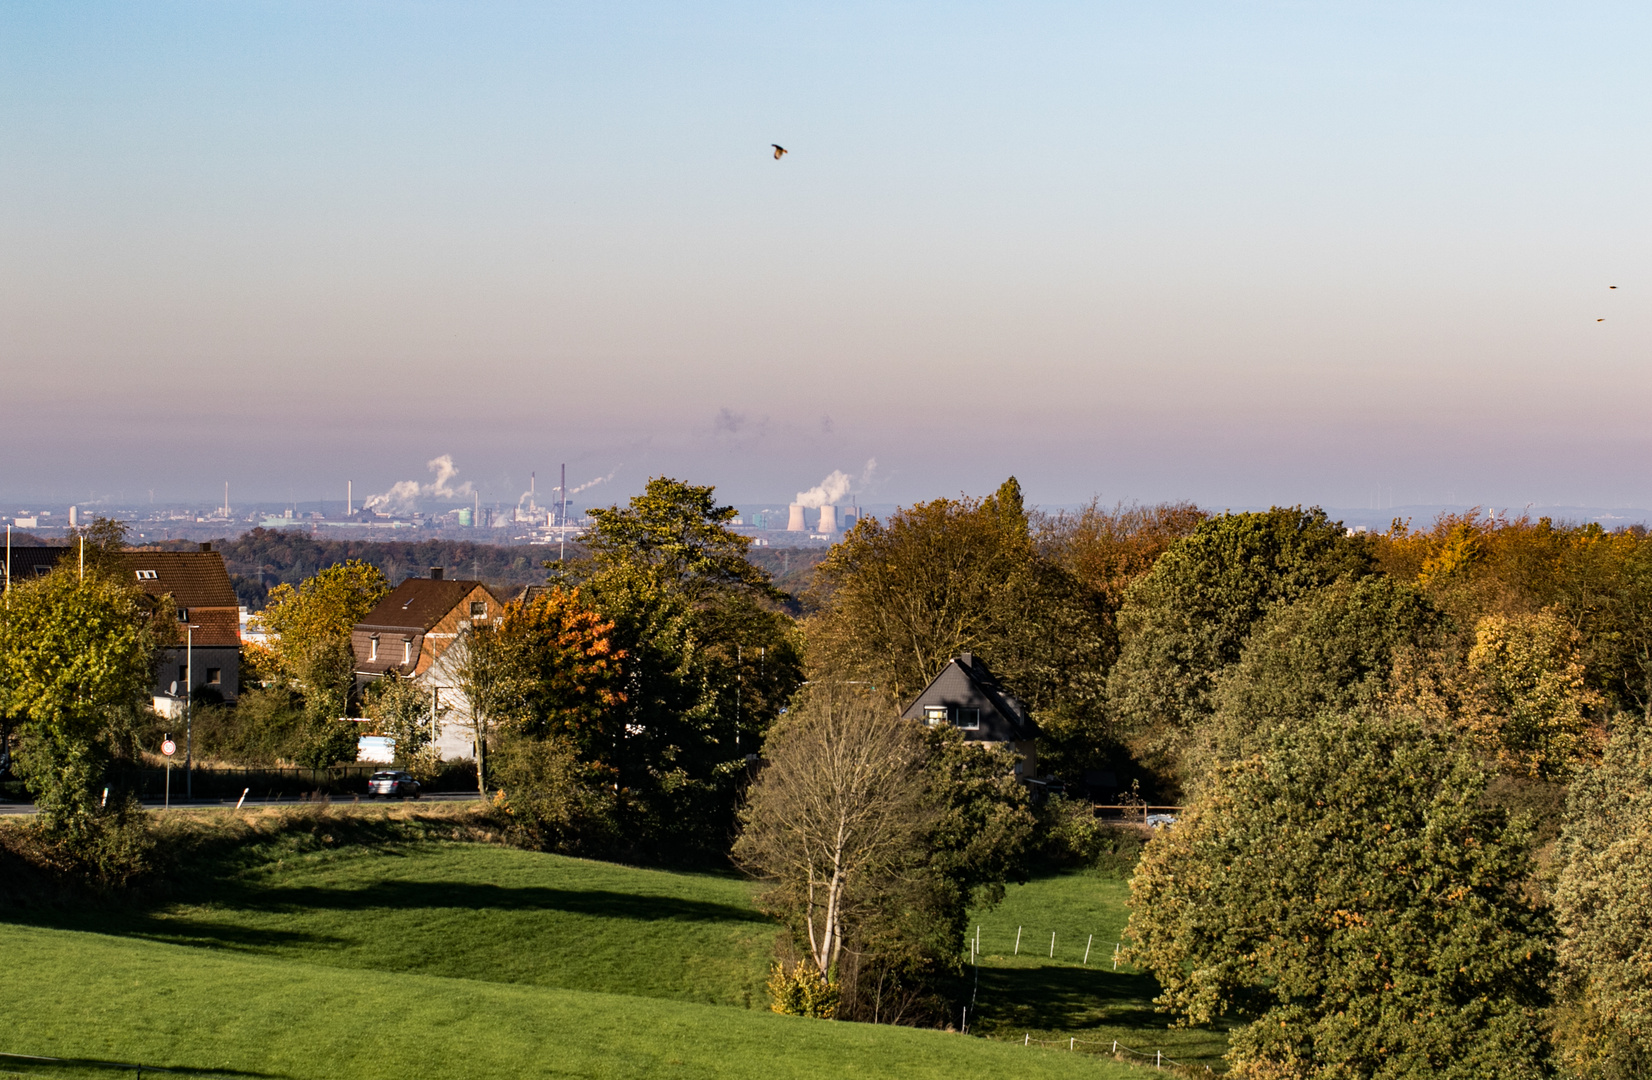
(215, 676)
(407, 650)
(373, 647)
(968, 719)
(934, 715)
(183, 614)
(478, 609)
(183, 674)
(146, 575)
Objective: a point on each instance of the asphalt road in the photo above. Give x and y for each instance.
(14, 809)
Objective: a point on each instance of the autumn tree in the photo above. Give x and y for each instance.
(710, 657)
(1189, 618)
(405, 712)
(311, 625)
(1602, 911)
(1353, 898)
(1529, 700)
(1107, 548)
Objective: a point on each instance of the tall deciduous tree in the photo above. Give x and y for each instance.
(312, 649)
(710, 657)
(899, 599)
(838, 805)
(1351, 894)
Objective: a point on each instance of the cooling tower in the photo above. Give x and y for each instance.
(828, 519)
(795, 522)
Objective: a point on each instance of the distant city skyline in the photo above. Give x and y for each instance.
(1240, 254)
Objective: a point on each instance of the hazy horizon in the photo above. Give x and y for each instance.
(1240, 254)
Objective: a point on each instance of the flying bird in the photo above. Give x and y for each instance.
(1611, 286)
(1600, 320)
(778, 150)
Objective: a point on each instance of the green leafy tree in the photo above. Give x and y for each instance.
(1353, 896)
(1531, 699)
(1189, 618)
(1330, 651)
(402, 710)
(77, 660)
(1603, 907)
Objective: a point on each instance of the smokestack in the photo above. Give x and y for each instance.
(435, 573)
(795, 522)
(828, 519)
(74, 516)
(349, 497)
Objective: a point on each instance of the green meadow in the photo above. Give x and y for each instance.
(335, 950)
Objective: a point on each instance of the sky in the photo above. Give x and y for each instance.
(1242, 253)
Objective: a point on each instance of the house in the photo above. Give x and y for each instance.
(967, 696)
(207, 658)
(411, 628)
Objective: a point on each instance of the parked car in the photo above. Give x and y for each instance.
(391, 782)
(1159, 821)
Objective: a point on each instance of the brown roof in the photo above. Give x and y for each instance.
(418, 603)
(194, 579)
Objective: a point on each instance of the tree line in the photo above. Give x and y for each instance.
(1415, 765)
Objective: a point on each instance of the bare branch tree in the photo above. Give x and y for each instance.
(839, 803)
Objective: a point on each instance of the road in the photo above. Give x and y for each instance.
(16, 809)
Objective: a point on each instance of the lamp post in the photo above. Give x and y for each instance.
(189, 713)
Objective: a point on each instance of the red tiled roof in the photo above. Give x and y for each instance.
(418, 604)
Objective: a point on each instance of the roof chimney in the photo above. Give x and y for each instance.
(206, 545)
(435, 573)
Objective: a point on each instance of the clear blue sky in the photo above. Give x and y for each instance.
(1238, 252)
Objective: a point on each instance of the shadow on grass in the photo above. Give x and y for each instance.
(26, 1065)
(473, 896)
(1069, 998)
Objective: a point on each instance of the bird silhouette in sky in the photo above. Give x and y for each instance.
(778, 150)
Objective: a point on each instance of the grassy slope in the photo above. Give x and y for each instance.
(476, 911)
(81, 995)
(1063, 997)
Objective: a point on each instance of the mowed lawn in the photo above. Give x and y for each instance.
(80, 995)
(1064, 996)
(483, 912)
(301, 953)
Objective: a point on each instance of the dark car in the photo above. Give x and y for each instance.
(390, 782)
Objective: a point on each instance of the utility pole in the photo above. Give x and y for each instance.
(189, 714)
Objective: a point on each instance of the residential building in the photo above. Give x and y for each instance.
(967, 696)
(207, 657)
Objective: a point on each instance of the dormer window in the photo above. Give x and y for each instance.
(407, 650)
(373, 647)
(147, 575)
(183, 614)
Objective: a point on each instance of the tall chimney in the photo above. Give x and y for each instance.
(828, 519)
(795, 522)
(349, 497)
(435, 573)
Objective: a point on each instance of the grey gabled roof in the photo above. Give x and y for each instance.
(967, 681)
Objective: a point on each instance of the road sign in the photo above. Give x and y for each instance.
(169, 748)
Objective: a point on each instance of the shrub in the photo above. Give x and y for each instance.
(550, 799)
(802, 992)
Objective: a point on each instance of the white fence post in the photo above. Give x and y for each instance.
(1017, 941)
(1087, 945)
(1052, 944)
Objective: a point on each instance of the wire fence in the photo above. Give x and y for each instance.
(1105, 951)
(1112, 1048)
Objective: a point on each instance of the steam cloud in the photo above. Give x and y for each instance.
(403, 497)
(593, 483)
(832, 489)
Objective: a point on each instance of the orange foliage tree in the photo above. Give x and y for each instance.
(563, 674)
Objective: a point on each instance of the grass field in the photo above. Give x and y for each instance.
(358, 945)
(1061, 997)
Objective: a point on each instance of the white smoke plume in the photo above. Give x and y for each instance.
(403, 497)
(825, 493)
(593, 483)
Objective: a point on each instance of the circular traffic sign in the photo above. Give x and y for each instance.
(169, 748)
